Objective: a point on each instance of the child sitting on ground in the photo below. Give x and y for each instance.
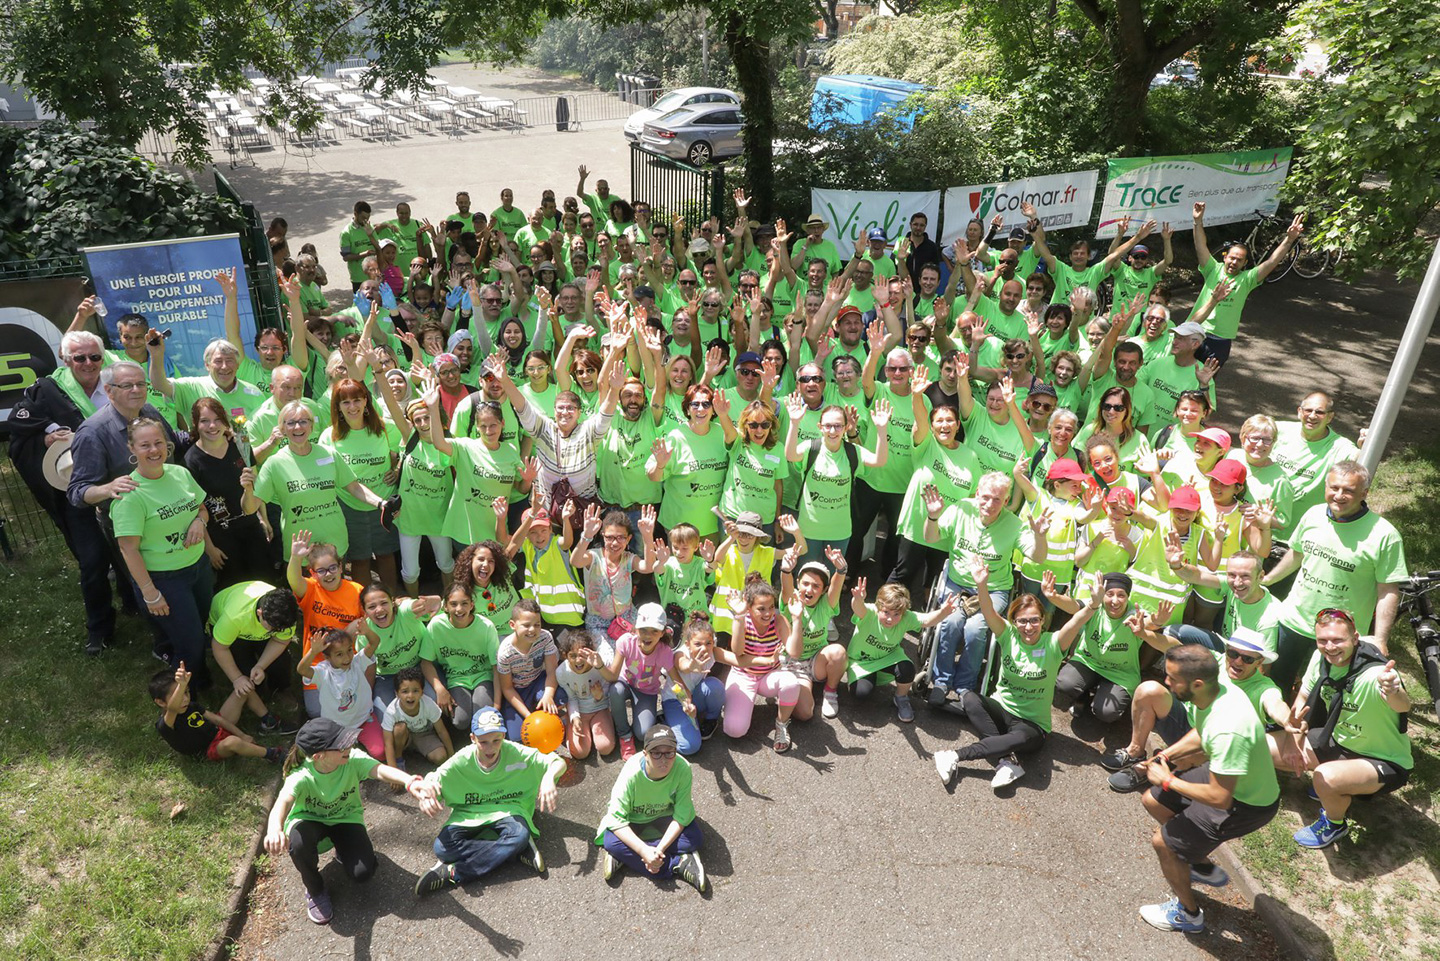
(634, 673)
(525, 669)
(411, 722)
(344, 680)
(587, 692)
(193, 731)
(700, 695)
(650, 824)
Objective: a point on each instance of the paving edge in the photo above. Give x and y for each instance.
(1275, 920)
(242, 882)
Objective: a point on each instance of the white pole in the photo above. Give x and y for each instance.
(1407, 358)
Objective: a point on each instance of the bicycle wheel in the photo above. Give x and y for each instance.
(1268, 235)
(1310, 262)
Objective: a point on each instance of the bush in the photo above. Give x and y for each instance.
(69, 188)
(669, 49)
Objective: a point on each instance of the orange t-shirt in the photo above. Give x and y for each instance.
(324, 611)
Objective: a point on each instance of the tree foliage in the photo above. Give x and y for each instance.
(66, 189)
(1368, 172)
(669, 48)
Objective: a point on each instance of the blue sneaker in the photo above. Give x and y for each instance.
(1310, 793)
(1171, 916)
(1321, 834)
(1211, 874)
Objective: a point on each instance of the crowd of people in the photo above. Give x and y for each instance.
(648, 460)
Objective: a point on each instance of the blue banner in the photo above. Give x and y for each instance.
(172, 283)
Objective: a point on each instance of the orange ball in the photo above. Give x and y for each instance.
(542, 731)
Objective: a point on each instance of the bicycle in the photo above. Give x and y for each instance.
(1311, 261)
(1267, 234)
(1415, 600)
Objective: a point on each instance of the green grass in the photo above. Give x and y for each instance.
(93, 864)
(1378, 885)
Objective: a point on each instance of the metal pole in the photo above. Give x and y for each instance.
(1407, 358)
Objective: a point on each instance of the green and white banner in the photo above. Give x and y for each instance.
(1234, 187)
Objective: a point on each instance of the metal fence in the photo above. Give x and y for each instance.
(673, 187)
(23, 522)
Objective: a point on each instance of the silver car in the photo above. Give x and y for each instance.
(674, 100)
(697, 134)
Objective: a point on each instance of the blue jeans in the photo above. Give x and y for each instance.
(709, 698)
(689, 840)
(973, 633)
(531, 695)
(1190, 634)
(188, 591)
(475, 855)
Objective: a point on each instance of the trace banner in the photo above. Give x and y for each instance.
(1234, 186)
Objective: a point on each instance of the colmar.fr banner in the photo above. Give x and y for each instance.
(1063, 201)
(1234, 186)
(172, 283)
(852, 213)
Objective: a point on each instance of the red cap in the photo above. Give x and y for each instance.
(849, 309)
(539, 516)
(1064, 469)
(1186, 498)
(1121, 495)
(1229, 472)
(1216, 436)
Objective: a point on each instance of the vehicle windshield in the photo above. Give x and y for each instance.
(668, 102)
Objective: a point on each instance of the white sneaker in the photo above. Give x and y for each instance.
(946, 764)
(1007, 772)
(830, 704)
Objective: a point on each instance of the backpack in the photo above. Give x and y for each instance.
(851, 455)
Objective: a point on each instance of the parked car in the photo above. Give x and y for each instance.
(674, 100)
(698, 134)
(1176, 71)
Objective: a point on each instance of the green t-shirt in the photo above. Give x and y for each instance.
(620, 460)
(1167, 381)
(637, 800)
(1263, 616)
(1109, 648)
(1067, 278)
(407, 246)
(1001, 325)
(355, 239)
(240, 401)
(1343, 566)
(750, 480)
(332, 798)
(1367, 725)
(251, 371)
(684, 584)
(875, 647)
(1306, 463)
(693, 478)
(481, 475)
(1129, 282)
(952, 471)
(159, 512)
(477, 797)
(510, 221)
(233, 616)
(304, 487)
(400, 642)
(824, 250)
(1271, 483)
(815, 626)
(996, 446)
(1234, 739)
(312, 299)
(541, 400)
(1141, 398)
(465, 654)
(267, 417)
(425, 488)
(825, 492)
(1224, 320)
(1026, 686)
(962, 533)
(893, 476)
(368, 457)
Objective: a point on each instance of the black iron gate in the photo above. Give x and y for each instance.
(673, 187)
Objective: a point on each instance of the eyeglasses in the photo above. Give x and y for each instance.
(809, 379)
(1016, 354)
(758, 425)
(711, 304)
(832, 427)
(292, 424)
(919, 339)
(93, 358)
(138, 385)
(491, 300)
(1114, 408)
(327, 571)
(1028, 621)
(533, 371)
(659, 754)
(1242, 658)
(615, 538)
(688, 283)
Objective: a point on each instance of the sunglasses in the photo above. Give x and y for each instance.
(1116, 408)
(701, 405)
(1333, 612)
(748, 371)
(808, 379)
(688, 283)
(1242, 658)
(758, 425)
(1041, 408)
(898, 369)
(93, 358)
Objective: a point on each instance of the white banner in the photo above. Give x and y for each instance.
(853, 213)
(1234, 187)
(1062, 200)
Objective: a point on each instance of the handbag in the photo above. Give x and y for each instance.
(619, 626)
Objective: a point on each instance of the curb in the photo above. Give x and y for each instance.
(243, 882)
(1279, 925)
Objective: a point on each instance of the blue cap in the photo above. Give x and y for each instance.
(876, 234)
(487, 721)
(750, 357)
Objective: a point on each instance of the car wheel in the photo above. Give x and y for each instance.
(699, 153)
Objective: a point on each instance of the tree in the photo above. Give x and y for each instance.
(1367, 166)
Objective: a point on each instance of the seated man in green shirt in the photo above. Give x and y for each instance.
(493, 788)
(651, 814)
(1353, 738)
(250, 625)
(1232, 794)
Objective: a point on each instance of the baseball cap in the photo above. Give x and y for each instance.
(1189, 329)
(698, 246)
(1121, 495)
(650, 617)
(323, 734)
(1229, 472)
(1249, 641)
(1216, 436)
(385, 242)
(487, 721)
(875, 234)
(750, 357)
(1185, 498)
(659, 734)
(1064, 469)
(1018, 233)
(849, 309)
(1140, 249)
(539, 516)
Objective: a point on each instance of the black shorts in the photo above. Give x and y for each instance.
(1197, 829)
(1392, 776)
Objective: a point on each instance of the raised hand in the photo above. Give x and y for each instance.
(662, 553)
(934, 503)
(790, 558)
(300, 546)
(836, 559)
(1208, 371)
(1174, 550)
(789, 524)
(1388, 680)
(1198, 210)
(501, 507)
(1047, 583)
(661, 452)
(647, 522)
(857, 591)
(1040, 523)
(919, 382)
(879, 414)
(226, 280)
(978, 570)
